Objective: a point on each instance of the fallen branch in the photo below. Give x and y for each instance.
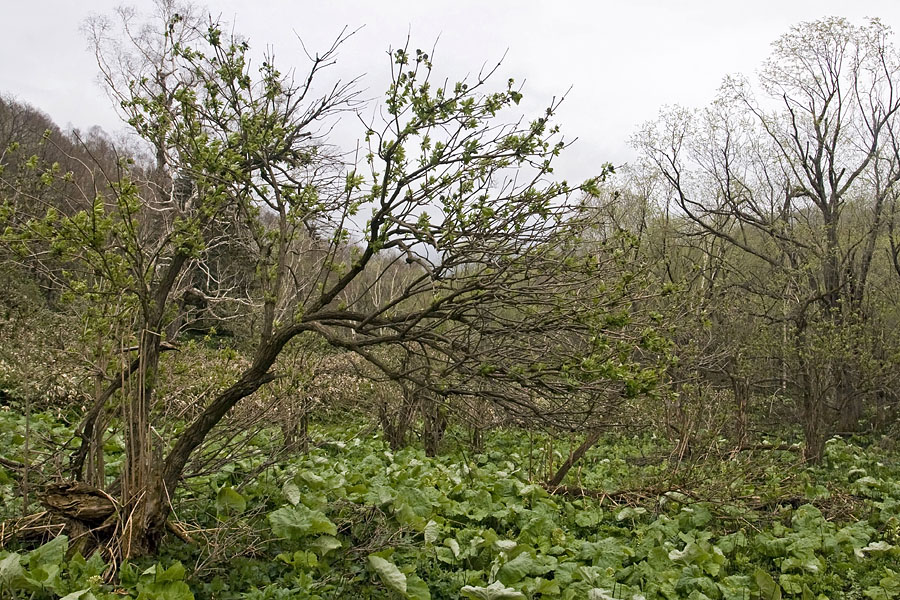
(779, 447)
(12, 464)
(42, 525)
(179, 532)
(621, 497)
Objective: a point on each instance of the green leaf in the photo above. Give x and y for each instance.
(389, 574)
(416, 589)
(495, 591)
(734, 587)
(768, 589)
(791, 584)
(630, 512)
(874, 593)
(432, 530)
(546, 587)
(291, 492)
(888, 588)
(84, 594)
(174, 573)
(875, 548)
(229, 502)
(10, 571)
(165, 590)
(298, 521)
(325, 544)
(51, 553)
(313, 480)
(589, 518)
(516, 569)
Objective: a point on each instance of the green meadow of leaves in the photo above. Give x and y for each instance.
(351, 519)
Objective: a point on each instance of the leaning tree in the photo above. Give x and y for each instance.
(504, 294)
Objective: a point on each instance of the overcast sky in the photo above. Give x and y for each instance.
(622, 60)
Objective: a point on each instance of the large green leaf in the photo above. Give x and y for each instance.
(630, 512)
(734, 587)
(325, 544)
(432, 530)
(589, 518)
(295, 522)
(291, 492)
(154, 573)
(80, 595)
(416, 589)
(516, 569)
(51, 553)
(389, 574)
(313, 480)
(165, 590)
(229, 502)
(768, 589)
(495, 591)
(10, 571)
(546, 587)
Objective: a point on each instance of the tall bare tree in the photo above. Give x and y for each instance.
(798, 182)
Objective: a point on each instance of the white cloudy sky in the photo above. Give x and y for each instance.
(623, 60)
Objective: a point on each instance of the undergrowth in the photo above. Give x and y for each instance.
(351, 519)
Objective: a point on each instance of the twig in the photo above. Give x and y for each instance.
(179, 532)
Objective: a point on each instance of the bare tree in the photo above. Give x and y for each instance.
(774, 179)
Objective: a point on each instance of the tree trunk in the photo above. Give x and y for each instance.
(141, 493)
(435, 424)
(477, 438)
(395, 423)
(91, 428)
(741, 388)
(149, 509)
(151, 481)
(813, 426)
(592, 438)
(95, 473)
(812, 403)
(295, 427)
(851, 406)
(145, 523)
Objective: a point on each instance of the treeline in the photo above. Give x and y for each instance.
(780, 208)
